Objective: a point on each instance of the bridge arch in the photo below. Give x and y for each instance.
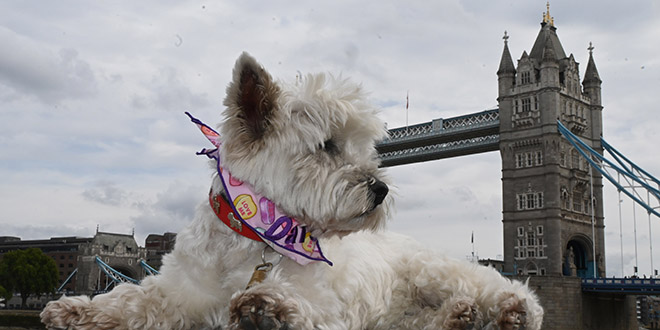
(578, 257)
(105, 283)
(128, 271)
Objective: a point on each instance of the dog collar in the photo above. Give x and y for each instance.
(255, 215)
(225, 213)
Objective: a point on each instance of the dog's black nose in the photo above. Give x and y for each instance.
(379, 190)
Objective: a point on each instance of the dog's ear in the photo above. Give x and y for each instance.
(252, 95)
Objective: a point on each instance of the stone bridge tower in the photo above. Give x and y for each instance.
(547, 186)
(121, 252)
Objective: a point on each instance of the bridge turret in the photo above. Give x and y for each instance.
(592, 80)
(549, 66)
(506, 74)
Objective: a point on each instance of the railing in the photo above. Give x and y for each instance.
(441, 138)
(460, 123)
(639, 286)
(444, 147)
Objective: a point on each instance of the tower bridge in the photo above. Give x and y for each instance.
(546, 186)
(552, 203)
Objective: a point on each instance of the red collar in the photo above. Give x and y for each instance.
(225, 213)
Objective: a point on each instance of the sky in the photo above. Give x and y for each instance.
(93, 94)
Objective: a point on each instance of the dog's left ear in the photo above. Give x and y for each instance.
(252, 95)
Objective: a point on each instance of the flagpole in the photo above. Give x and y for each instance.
(407, 99)
(472, 240)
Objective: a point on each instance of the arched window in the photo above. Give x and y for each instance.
(531, 269)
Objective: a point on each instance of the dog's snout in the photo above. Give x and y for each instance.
(379, 189)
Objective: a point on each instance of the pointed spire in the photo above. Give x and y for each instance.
(506, 63)
(546, 16)
(591, 74)
(547, 34)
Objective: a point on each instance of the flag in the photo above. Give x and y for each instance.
(407, 100)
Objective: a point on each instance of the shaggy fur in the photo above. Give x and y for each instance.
(309, 147)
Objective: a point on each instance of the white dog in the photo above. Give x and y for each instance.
(305, 153)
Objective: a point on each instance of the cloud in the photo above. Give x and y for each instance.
(105, 192)
(36, 70)
(44, 232)
(171, 210)
(171, 93)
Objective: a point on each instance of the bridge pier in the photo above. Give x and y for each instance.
(609, 311)
(567, 307)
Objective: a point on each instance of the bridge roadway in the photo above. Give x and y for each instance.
(441, 138)
(628, 286)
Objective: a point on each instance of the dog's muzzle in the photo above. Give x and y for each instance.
(378, 190)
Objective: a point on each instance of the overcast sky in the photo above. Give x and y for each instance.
(92, 95)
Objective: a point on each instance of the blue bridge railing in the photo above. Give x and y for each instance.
(629, 286)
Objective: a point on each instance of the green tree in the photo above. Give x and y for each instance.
(6, 295)
(28, 272)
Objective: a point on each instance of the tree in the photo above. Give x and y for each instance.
(6, 295)
(28, 272)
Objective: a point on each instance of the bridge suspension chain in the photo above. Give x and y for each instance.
(117, 277)
(636, 178)
(113, 274)
(67, 280)
(150, 270)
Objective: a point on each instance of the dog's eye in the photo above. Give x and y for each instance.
(329, 146)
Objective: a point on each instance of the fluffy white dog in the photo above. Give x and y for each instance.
(305, 153)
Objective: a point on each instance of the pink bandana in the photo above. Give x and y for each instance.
(281, 232)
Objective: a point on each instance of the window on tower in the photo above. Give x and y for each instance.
(520, 160)
(522, 201)
(529, 201)
(538, 158)
(529, 159)
(577, 201)
(526, 104)
(536, 103)
(525, 78)
(575, 159)
(528, 244)
(515, 105)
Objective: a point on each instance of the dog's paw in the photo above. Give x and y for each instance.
(74, 313)
(512, 314)
(260, 311)
(463, 314)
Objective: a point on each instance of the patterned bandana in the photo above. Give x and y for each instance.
(283, 233)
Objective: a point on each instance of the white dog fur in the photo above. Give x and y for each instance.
(309, 147)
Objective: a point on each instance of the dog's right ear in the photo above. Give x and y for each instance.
(252, 96)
